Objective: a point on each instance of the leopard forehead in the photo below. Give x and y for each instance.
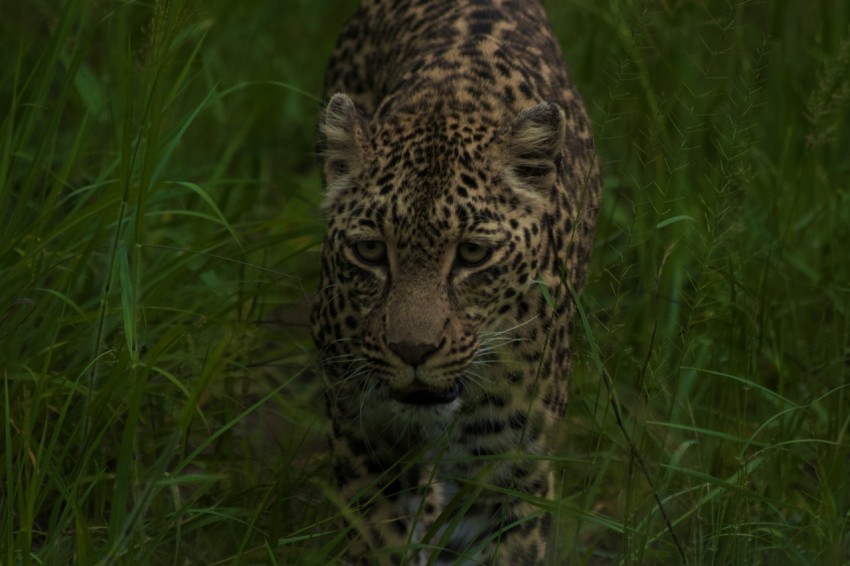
(422, 189)
(432, 176)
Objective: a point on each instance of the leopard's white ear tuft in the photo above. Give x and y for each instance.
(533, 149)
(342, 144)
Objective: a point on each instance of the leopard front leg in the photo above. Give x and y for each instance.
(387, 505)
(523, 536)
(495, 526)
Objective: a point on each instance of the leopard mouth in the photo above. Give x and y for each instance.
(419, 394)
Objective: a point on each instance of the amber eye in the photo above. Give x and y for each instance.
(372, 252)
(470, 254)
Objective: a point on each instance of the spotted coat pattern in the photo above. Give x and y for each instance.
(460, 193)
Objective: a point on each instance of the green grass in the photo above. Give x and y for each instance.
(158, 233)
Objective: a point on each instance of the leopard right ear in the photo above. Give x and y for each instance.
(343, 143)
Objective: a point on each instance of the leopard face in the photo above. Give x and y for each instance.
(431, 256)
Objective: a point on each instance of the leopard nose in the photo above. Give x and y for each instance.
(413, 354)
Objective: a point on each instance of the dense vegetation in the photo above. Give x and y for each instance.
(158, 244)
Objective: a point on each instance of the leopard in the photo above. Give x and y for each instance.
(461, 186)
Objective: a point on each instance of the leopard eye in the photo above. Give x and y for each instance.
(371, 252)
(470, 254)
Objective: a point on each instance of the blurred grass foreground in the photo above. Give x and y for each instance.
(158, 245)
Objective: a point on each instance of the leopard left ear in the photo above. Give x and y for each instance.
(533, 148)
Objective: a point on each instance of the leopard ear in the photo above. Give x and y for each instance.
(534, 143)
(343, 137)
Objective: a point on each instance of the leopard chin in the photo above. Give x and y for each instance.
(421, 395)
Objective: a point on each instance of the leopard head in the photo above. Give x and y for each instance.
(436, 223)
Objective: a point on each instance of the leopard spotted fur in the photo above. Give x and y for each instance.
(461, 192)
